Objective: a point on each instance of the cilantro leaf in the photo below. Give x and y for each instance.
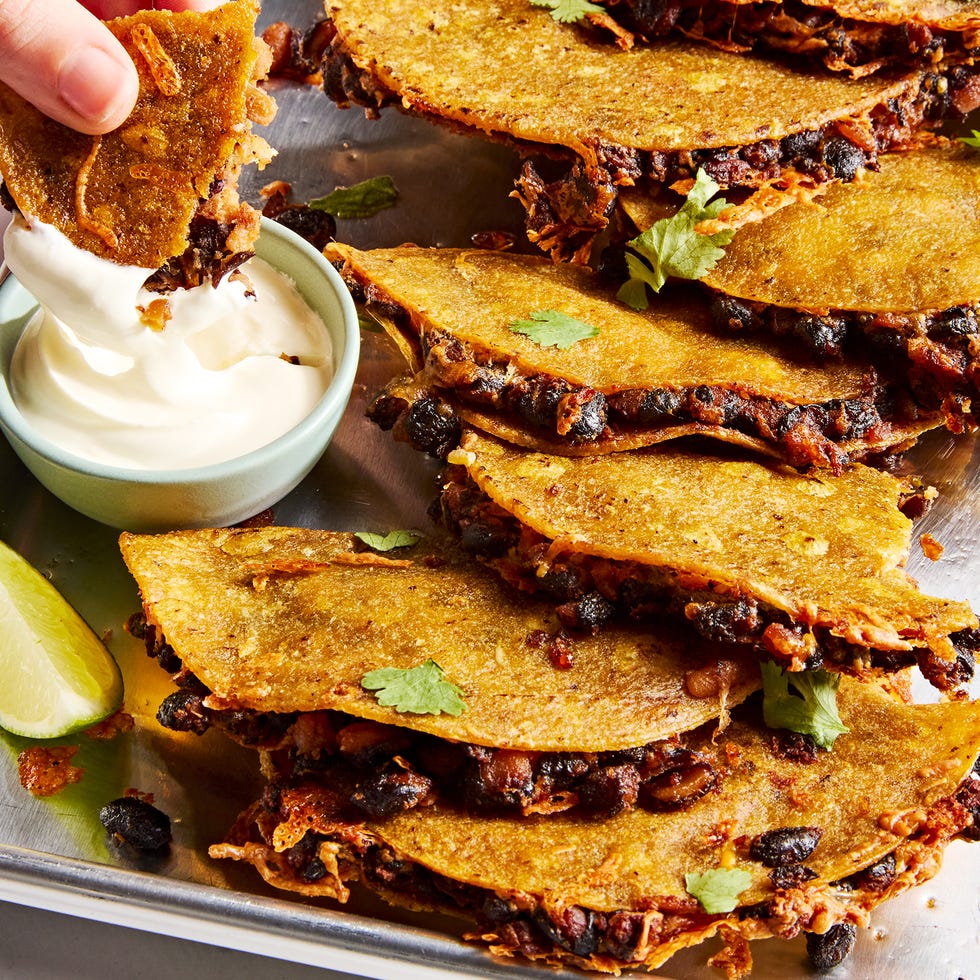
(569, 11)
(421, 690)
(552, 328)
(360, 200)
(718, 889)
(973, 140)
(813, 712)
(385, 542)
(671, 246)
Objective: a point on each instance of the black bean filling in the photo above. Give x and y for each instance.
(565, 214)
(206, 258)
(395, 769)
(794, 27)
(633, 591)
(579, 415)
(937, 349)
(576, 930)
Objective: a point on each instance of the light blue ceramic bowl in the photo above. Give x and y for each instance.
(205, 496)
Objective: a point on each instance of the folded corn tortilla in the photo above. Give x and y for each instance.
(614, 894)
(291, 620)
(641, 378)
(807, 566)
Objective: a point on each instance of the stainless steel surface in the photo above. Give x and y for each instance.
(54, 853)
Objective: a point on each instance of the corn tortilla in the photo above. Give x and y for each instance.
(285, 620)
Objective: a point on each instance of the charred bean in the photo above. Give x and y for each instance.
(136, 822)
(391, 790)
(844, 157)
(432, 427)
(831, 948)
(183, 711)
(575, 931)
(786, 845)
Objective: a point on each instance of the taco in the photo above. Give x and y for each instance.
(160, 192)
(653, 115)
(805, 567)
(461, 319)
(792, 845)
(271, 634)
(855, 273)
(853, 36)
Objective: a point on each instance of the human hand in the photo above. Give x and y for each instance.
(57, 55)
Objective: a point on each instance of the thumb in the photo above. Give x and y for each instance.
(58, 56)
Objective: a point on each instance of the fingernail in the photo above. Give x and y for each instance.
(93, 83)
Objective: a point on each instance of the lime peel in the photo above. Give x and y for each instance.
(56, 675)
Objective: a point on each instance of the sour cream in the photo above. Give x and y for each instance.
(217, 382)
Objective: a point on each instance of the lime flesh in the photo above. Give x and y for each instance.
(56, 676)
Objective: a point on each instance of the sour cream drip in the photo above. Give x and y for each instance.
(211, 386)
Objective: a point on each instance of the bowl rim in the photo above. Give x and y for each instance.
(333, 400)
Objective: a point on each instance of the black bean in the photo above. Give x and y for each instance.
(487, 537)
(956, 322)
(315, 226)
(136, 822)
(576, 931)
(432, 427)
(623, 933)
(800, 145)
(391, 790)
(610, 790)
(844, 157)
(729, 313)
(183, 711)
(829, 949)
(726, 622)
(791, 875)
(564, 582)
(786, 845)
(587, 614)
(590, 417)
(679, 787)
(823, 335)
(561, 768)
(658, 405)
(878, 876)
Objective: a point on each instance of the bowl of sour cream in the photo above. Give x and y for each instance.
(197, 413)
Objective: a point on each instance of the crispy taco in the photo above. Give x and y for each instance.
(156, 192)
(500, 69)
(853, 36)
(808, 568)
(271, 634)
(855, 273)
(611, 378)
(783, 845)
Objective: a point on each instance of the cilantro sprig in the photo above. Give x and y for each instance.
(552, 328)
(810, 709)
(973, 140)
(672, 248)
(718, 889)
(569, 11)
(386, 542)
(421, 690)
(361, 200)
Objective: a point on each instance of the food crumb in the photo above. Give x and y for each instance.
(931, 548)
(44, 770)
(117, 723)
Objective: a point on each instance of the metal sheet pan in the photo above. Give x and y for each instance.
(54, 853)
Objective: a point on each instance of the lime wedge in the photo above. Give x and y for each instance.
(56, 675)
